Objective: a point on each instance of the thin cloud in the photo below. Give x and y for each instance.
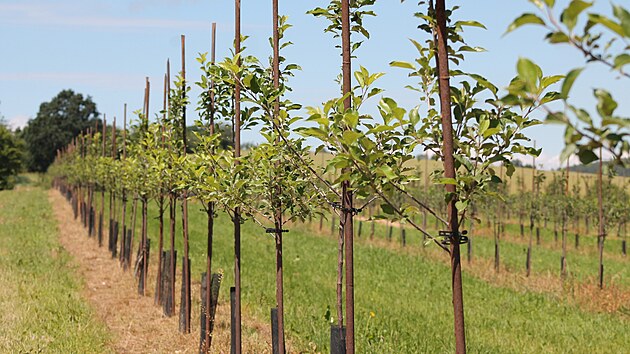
(29, 14)
(140, 5)
(97, 79)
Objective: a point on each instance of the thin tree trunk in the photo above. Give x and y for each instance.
(158, 278)
(563, 260)
(497, 260)
(278, 192)
(449, 172)
(134, 213)
(172, 218)
(144, 250)
(123, 218)
(340, 275)
(209, 319)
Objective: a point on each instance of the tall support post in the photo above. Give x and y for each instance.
(124, 192)
(346, 191)
(532, 218)
(207, 341)
(102, 212)
(237, 212)
(426, 193)
(563, 258)
(186, 263)
(113, 193)
(159, 275)
(278, 191)
(449, 172)
(602, 230)
(144, 251)
(172, 218)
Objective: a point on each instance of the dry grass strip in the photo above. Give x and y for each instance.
(137, 325)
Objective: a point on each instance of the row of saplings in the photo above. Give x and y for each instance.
(276, 182)
(154, 161)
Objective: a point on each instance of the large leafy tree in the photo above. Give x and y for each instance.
(55, 125)
(11, 149)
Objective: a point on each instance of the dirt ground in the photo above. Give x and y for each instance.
(136, 324)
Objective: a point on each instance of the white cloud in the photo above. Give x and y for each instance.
(18, 121)
(552, 161)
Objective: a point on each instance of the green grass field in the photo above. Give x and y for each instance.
(402, 297)
(582, 263)
(402, 300)
(41, 309)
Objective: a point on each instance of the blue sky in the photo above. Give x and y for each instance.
(105, 49)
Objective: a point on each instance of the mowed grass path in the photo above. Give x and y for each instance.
(403, 301)
(41, 309)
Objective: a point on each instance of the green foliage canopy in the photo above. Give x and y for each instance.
(11, 150)
(55, 125)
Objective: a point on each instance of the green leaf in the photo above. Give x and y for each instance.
(568, 82)
(445, 180)
(470, 24)
(621, 60)
(582, 115)
(388, 209)
(461, 205)
(587, 156)
(556, 118)
(570, 14)
(624, 16)
(490, 132)
(351, 118)
(510, 169)
(550, 80)
(550, 97)
(485, 83)
(606, 105)
(557, 37)
(483, 126)
(402, 64)
(529, 73)
(606, 22)
(386, 171)
(524, 19)
(414, 116)
(466, 48)
(349, 137)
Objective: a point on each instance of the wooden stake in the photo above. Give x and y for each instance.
(209, 320)
(237, 212)
(346, 191)
(602, 231)
(186, 262)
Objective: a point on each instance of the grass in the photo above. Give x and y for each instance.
(41, 309)
(402, 300)
(582, 264)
